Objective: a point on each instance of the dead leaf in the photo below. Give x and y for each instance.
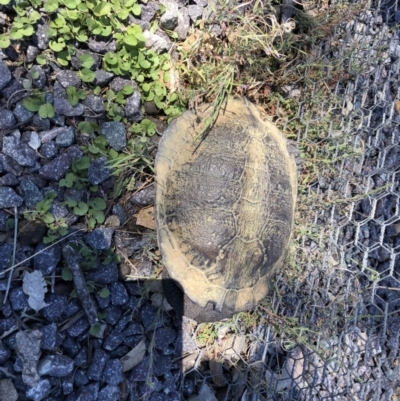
(35, 286)
(397, 106)
(145, 218)
(133, 357)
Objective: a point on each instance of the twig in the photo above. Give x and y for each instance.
(72, 258)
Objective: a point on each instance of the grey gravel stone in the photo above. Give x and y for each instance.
(104, 274)
(81, 358)
(157, 42)
(41, 80)
(51, 338)
(132, 108)
(9, 180)
(64, 108)
(169, 20)
(19, 151)
(119, 210)
(56, 304)
(140, 372)
(14, 91)
(79, 327)
(40, 391)
(183, 23)
(5, 353)
(71, 347)
(10, 165)
(22, 113)
(164, 338)
(114, 314)
(49, 150)
(98, 171)
(7, 119)
(55, 366)
(98, 364)
(100, 238)
(67, 384)
(110, 393)
(18, 299)
(95, 104)
(77, 63)
(88, 393)
(113, 372)
(149, 10)
(46, 260)
(42, 123)
(8, 198)
(6, 251)
(115, 134)
(80, 378)
(5, 75)
(102, 47)
(31, 53)
(195, 11)
(55, 169)
(144, 197)
(69, 78)
(118, 84)
(66, 137)
(119, 295)
(30, 193)
(113, 340)
(102, 78)
(40, 39)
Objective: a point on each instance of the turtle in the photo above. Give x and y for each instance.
(224, 208)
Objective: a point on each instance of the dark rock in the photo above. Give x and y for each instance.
(104, 274)
(103, 303)
(51, 338)
(119, 210)
(149, 10)
(7, 119)
(41, 80)
(69, 78)
(113, 373)
(169, 20)
(144, 197)
(80, 378)
(5, 353)
(41, 123)
(73, 306)
(49, 150)
(56, 168)
(114, 313)
(88, 393)
(119, 295)
(30, 193)
(31, 53)
(40, 38)
(55, 307)
(74, 152)
(183, 23)
(81, 358)
(132, 341)
(5, 75)
(7, 324)
(63, 107)
(162, 364)
(149, 317)
(77, 63)
(67, 384)
(46, 260)
(71, 347)
(118, 84)
(99, 361)
(100, 238)
(113, 340)
(22, 113)
(103, 78)
(55, 366)
(164, 338)
(66, 137)
(115, 134)
(195, 12)
(8, 198)
(150, 108)
(14, 91)
(102, 46)
(3, 220)
(18, 299)
(9, 180)
(99, 171)
(94, 104)
(110, 393)
(132, 108)
(10, 165)
(40, 391)
(79, 327)
(140, 373)
(136, 21)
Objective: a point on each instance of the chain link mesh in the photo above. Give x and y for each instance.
(332, 328)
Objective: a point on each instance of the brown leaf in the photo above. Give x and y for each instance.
(397, 106)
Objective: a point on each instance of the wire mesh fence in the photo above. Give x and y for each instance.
(331, 330)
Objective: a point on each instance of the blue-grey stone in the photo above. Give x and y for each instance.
(110, 393)
(19, 151)
(98, 364)
(31, 53)
(5, 354)
(99, 171)
(30, 193)
(5, 75)
(100, 238)
(81, 358)
(102, 78)
(49, 150)
(22, 113)
(14, 91)
(9, 180)
(6, 251)
(55, 366)
(104, 274)
(40, 81)
(46, 260)
(64, 108)
(88, 393)
(69, 78)
(43, 123)
(115, 134)
(67, 384)
(80, 378)
(56, 168)
(95, 104)
(120, 211)
(51, 338)
(40, 38)
(7, 119)
(113, 340)
(8, 198)
(119, 295)
(66, 138)
(56, 303)
(113, 372)
(79, 327)
(144, 197)
(40, 391)
(18, 299)
(118, 84)
(132, 108)
(148, 11)
(71, 347)
(195, 11)
(10, 165)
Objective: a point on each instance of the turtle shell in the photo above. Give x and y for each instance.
(224, 206)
